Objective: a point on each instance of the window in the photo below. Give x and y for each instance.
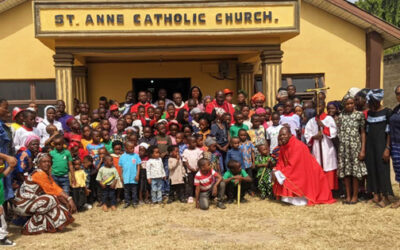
(301, 81)
(21, 93)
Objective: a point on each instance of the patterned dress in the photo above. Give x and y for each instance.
(349, 125)
(264, 176)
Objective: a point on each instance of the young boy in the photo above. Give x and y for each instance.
(176, 174)
(248, 152)
(208, 184)
(130, 164)
(234, 129)
(91, 183)
(144, 187)
(273, 132)
(106, 141)
(120, 135)
(235, 153)
(290, 118)
(190, 158)
(212, 154)
(79, 188)
(180, 142)
(62, 164)
(232, 178)
(148, 136)
(264, 163)
(163, 142)
(93, 148)
(107, 178)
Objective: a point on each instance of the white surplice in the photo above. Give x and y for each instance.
(328, 149)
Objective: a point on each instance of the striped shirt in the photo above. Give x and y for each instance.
(205, 181)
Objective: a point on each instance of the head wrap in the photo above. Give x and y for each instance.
(39, 157)
(258, 97)
(353, 91)
(375, 95)
(260, 111)
(209, 141)
(174, 122)
(70, 120)
(47, 108)
(145, 145)
(219, 111)
(363, 93)
(195, 111)
(31, 138)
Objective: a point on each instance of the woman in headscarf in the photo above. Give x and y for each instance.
(206, 100)
(378, 149)
(39, 197)
(258, 101)
(49, 119)
(395, 140)
(25, 159)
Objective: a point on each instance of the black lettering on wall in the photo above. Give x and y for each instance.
(100, 19)
(148, 19)
(247, 17)
(110, 19)
(177, 18)
(89, 20)
(218, 18)
(168, 18)
(257, 17)
(59, 19)
(202, 18)
(136, 19)
(120, 19)
(70, 18)
(228, 18)
(238, 17)
(158, 17)
(267, 16)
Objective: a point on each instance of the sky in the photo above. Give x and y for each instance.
(352, 1)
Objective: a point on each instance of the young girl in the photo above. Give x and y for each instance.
(173, 128)
(144, 187)
(128, 119)
(155, 174)
(78, 189)
(25, 159)
(247, 148)
(264, 163)
(351, 133)
(108, 178)
(86, 136)
(219, 131)
(176, 174)
(204, 128)
(117, 152)
(26, 130)
(170, 112)
(190, 157)
(257, 133)
(106, 141)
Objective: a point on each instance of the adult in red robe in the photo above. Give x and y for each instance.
(220, 102)
(142, 97)
(298, 176)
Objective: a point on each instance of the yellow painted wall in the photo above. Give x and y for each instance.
(329, 45)
(115, 79)
(22, 56)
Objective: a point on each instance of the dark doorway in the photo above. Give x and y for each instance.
(172, 85)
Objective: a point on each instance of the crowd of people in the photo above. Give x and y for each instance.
(203, 151)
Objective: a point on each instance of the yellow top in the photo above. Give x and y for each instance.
(85, 143)
(80, 178)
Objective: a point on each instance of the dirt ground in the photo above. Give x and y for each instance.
(255, 225)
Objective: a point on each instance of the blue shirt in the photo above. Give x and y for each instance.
(128, 163)
(234, 154)
(93, 150)
(247, 148)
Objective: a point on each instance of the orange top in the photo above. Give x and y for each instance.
(116, 164)
(47, 183)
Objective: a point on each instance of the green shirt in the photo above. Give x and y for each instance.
(60, 162)
(108, 146)
(234, 130)
(228, 174)
(107, 175)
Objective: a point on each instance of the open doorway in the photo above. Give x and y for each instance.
(172, 85)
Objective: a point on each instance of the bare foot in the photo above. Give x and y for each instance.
(113, 208)
(383, 203)
(396, 204)
(354, 200)
(105, 209)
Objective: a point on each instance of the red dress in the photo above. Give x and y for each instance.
(304, 176)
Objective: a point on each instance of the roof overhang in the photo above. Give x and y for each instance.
(8, 4)
(360, 18)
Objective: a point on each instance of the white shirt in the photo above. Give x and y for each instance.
(272, 136)
(44, 136)
(293, 121)
(155, 169)
(20, 137)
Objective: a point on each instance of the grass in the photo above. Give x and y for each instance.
(255, 225)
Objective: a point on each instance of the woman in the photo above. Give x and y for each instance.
(220, 132)
(39, 197)
(195, 93)
(395, 140)
(49, 119)
(378, 149)
(241, 100)
(25, 159)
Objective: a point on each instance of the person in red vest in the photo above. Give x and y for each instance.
(142, 97)
(220, 102)
(298, 178)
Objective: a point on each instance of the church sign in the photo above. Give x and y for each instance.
(188, 18)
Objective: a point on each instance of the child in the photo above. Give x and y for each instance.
(176, 174)
(235, 153)
(148, 136)
(173, 128)
(128, 120)
(232, 178)
(91, 183)
(120, 135)
(208, 184)
(25, 130)
(213, 155)
(105, 125)
(245, 110)
(199, 142)
(12, 162)
(117, 152)
(106, 141)
(107, 178)
(273, 132)
(84, 120)
(144, 187)
(264, 163)
(99, 163)
(170, 112)
(155, 174)
(62, 164)
(204, 128)
(181, 142)
(95, 145)
(113, 118)
(52, 131)
(290, 118)
(234, 129)
(163, 142)
(130, 164)
(86, 136)
(190, 157)
(247, 148)
(257, 133)
(78, 190)
(195, 113)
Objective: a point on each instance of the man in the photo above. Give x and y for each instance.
(291, 90)
(142, 97)
(177, 101)
(299, 179)
(220, 102)
(62, 116)
(319, 133)
(126, 106)
(162, 95)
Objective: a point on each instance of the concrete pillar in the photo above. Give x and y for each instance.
(64, 84)
(79, 74)
(374, 60)
(271, 64)
(246, 78)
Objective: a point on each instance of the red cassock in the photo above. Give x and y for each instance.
(304, 176)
